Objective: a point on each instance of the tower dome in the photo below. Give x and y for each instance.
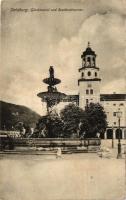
(88, 51)
(88, 57)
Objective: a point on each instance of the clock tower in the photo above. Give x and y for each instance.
(89, 79)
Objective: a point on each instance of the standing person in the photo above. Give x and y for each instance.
(59, 153)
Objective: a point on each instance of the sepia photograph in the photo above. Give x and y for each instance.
(63, 100)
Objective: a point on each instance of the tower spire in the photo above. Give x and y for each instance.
(88, 44)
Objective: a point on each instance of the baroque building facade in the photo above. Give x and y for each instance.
(89, 91)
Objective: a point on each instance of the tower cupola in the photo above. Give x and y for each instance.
(88, 57)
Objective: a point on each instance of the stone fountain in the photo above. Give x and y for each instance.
(51, 97)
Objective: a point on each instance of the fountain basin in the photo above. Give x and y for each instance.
(51, 81)
(51, 95)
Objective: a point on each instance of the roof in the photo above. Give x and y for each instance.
(71, 98)
(88, 51)
(112, 97)
(103, 97)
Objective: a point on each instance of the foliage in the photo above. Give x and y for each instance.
(12, 114)
(50, 126)
(40, 129)
(95, 120)
(55, 126)
(72, 121)
(84, 123)
(71, 116)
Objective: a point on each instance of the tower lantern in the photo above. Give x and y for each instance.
(88, 57)
(89, 81)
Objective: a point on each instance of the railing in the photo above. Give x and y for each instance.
(10, 133)
(46, 142)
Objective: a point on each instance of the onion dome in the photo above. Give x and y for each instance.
(88, 51)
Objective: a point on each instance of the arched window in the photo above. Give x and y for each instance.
(82, 75)
(118, 133)
(109, 134)
(87, 91)
(88, 59)
(124, 133)
(93, 61)
(89, 73)
(91, 91)
(95, 74)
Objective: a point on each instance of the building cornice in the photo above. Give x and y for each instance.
(85, 80)
(112, 97)
(80, 69)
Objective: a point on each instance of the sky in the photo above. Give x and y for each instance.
(33, 41)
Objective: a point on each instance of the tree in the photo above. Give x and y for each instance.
(54, 126)
(73, 122)
(95, 120)
(50, 126)
(71, 116)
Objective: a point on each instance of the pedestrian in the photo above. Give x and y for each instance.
(59, 153)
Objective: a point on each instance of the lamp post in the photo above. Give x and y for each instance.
(112, 136)
(125, 162)
(119, 155)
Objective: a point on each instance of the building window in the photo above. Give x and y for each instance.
(82, 75)
(114, 104)
(86, 101)
(87, 91)
(94, 61)
(95, 74)
(114, 123)
(89, 73)
(114, 114)
(91, 91)
(88, 59)
(121, 104)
